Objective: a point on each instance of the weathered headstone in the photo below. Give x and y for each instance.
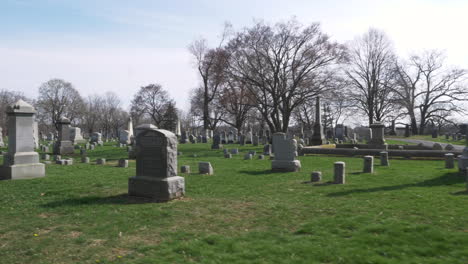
(75, 135)
(101, 161)
(234, 151)
(21, 162)
(449, 161)
(255, 140)
(156, 162)
(368, 164)
(248, 156)
(123, 163)
(377, 141)
(384, 158)
(84, 159)
(339, 172)
(316, 176)
(285, 154)
(407, 131)
(185, 169)
(205, 168)
(63, 144)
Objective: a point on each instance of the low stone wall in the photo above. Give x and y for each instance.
(376, 152)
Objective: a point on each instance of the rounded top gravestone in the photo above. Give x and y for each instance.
(156, 152)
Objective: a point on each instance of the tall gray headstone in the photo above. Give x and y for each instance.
(21, 162)
(75, 135)
(285, 154)
(63, 144)
(318, 138)
(156, 165)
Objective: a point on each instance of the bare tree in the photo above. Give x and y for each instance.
(283, 66)
(7, 98)
(369, 67)
(428, 90)
(237, 101)
(151, 100)
(211, 64)
(93, 112)
(57, 99)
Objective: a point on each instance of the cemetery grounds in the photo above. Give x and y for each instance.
(414, 211)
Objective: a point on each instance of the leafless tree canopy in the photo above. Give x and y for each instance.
(428, 90)
(151, 100)
(370, 60)
(283, 66)
(57, 99)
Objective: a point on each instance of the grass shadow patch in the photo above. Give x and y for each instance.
(121, 199)
(446, 179)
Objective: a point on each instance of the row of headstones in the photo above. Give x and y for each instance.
(454, 136)
(368, 167)
(101, 161)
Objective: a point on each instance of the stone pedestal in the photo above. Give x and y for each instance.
(21, 162)
(156, 162)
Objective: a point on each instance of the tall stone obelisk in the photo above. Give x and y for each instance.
(318, 137)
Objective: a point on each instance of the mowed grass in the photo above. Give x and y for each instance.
(440, 139)
(414, 211)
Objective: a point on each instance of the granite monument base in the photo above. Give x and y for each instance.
(286, 165)
(22, 171)
(159, 189)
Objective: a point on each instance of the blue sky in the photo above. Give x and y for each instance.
(116, 45)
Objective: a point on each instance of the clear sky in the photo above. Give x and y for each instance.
(120, 45)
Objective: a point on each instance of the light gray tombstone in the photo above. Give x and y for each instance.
(156, 165)
(101, 161)
(84, 159)
(75, 135)
(368, 164)
(185, 169)
(339, 172)
(21, 162)
(285, 154)
(123, 163)
(384, 158)
(63, 144)
(205, 168)
(248, 156)
(228, 155)
(261, 157)
(339, 131)
(316, 176)
(449, 161)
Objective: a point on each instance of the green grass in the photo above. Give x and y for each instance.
(397, 142)
(440, 139)
(414, 211)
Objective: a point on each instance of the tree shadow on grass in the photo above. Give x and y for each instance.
(446, 179)
(121, 199)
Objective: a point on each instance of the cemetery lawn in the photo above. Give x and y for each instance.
(414, 211)
(440, 139)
